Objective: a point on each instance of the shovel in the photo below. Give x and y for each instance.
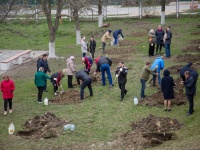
(62, 91)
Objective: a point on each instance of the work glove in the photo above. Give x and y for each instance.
(152, 44)
(117, 75)
(120, 69)
(55, 79)
(156, 66)
(94, 73)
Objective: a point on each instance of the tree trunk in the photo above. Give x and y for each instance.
(78, 31)
(52, 45)
(100, 16)
(163, 12)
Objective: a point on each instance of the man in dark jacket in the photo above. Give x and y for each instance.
(121, 74)
(168, 42)
(190, 87)
(116, 33)
(92, 46)
(82, 76)
(192, 72)
(103, 65)
(42, 62)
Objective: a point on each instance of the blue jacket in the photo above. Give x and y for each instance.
(187, 68)
(160, 62)
(117, 32)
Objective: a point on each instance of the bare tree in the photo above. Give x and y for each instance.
(76, 7)
(162, 12)
(47, 7)
(100, 16)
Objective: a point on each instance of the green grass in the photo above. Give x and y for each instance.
(103, 117)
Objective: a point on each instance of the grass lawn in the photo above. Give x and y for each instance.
(103, 117)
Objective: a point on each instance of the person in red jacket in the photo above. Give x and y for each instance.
(56, 80)
(87, 62)
(7, 87)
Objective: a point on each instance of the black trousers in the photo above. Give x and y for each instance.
(55, 86)
(191, 103)
(70, 77)
(6, 102)
(159, 46)
(40, 91)
(92, 53)
(151, 49)
(83, 86)
(123, 89)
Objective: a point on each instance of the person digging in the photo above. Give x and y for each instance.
(56, 81)
(84, 79)
(121, 74)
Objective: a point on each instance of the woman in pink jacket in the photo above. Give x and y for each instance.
(7, 87)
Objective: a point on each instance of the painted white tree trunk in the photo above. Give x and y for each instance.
(100, 20)
(78, 37)
(52, 50)
(163, 17)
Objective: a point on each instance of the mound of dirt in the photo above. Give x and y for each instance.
(175, 69)
(196, 33)
(197, 41)
(194, 48)
(129, 43)
(121, 51)
(69, 97)
(188, 58)
(148, 132)
(42, 127)
(157, 99)
(95, 78)
(138, 34)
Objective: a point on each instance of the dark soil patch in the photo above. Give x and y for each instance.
(175, 69)
(95, 78)
(188, 58)
(148, 132)
(194, 48)
(129, 43)
(121, 51)
(157, 99)
(42, 127)
(138, 34)
(69, 97)
(197, 41)
(196, 33)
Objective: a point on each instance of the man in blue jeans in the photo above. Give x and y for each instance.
(168, 42)
(145, 76)
(82, 76)
(116, 34)
(103, 65)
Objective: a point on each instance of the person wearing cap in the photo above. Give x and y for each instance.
(56, 81)
(146, 71)
(85, 80)
(121, 74)
(159, 39)
(105, 37)
(152, 41)
(84, 46)
(87, 61)
(116, 34)
(70, 70)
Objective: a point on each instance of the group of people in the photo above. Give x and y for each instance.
(160, 38)
(189, 80)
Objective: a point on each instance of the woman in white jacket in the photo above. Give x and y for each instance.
(83, 46)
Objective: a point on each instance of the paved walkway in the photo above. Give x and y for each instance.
(4, 54)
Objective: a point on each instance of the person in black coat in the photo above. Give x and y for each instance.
(190, 87)
(121, 74)
(82, 76)
(159, 38)
(192, 72)
(167, 84)
(42, 62)
(92, 46)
